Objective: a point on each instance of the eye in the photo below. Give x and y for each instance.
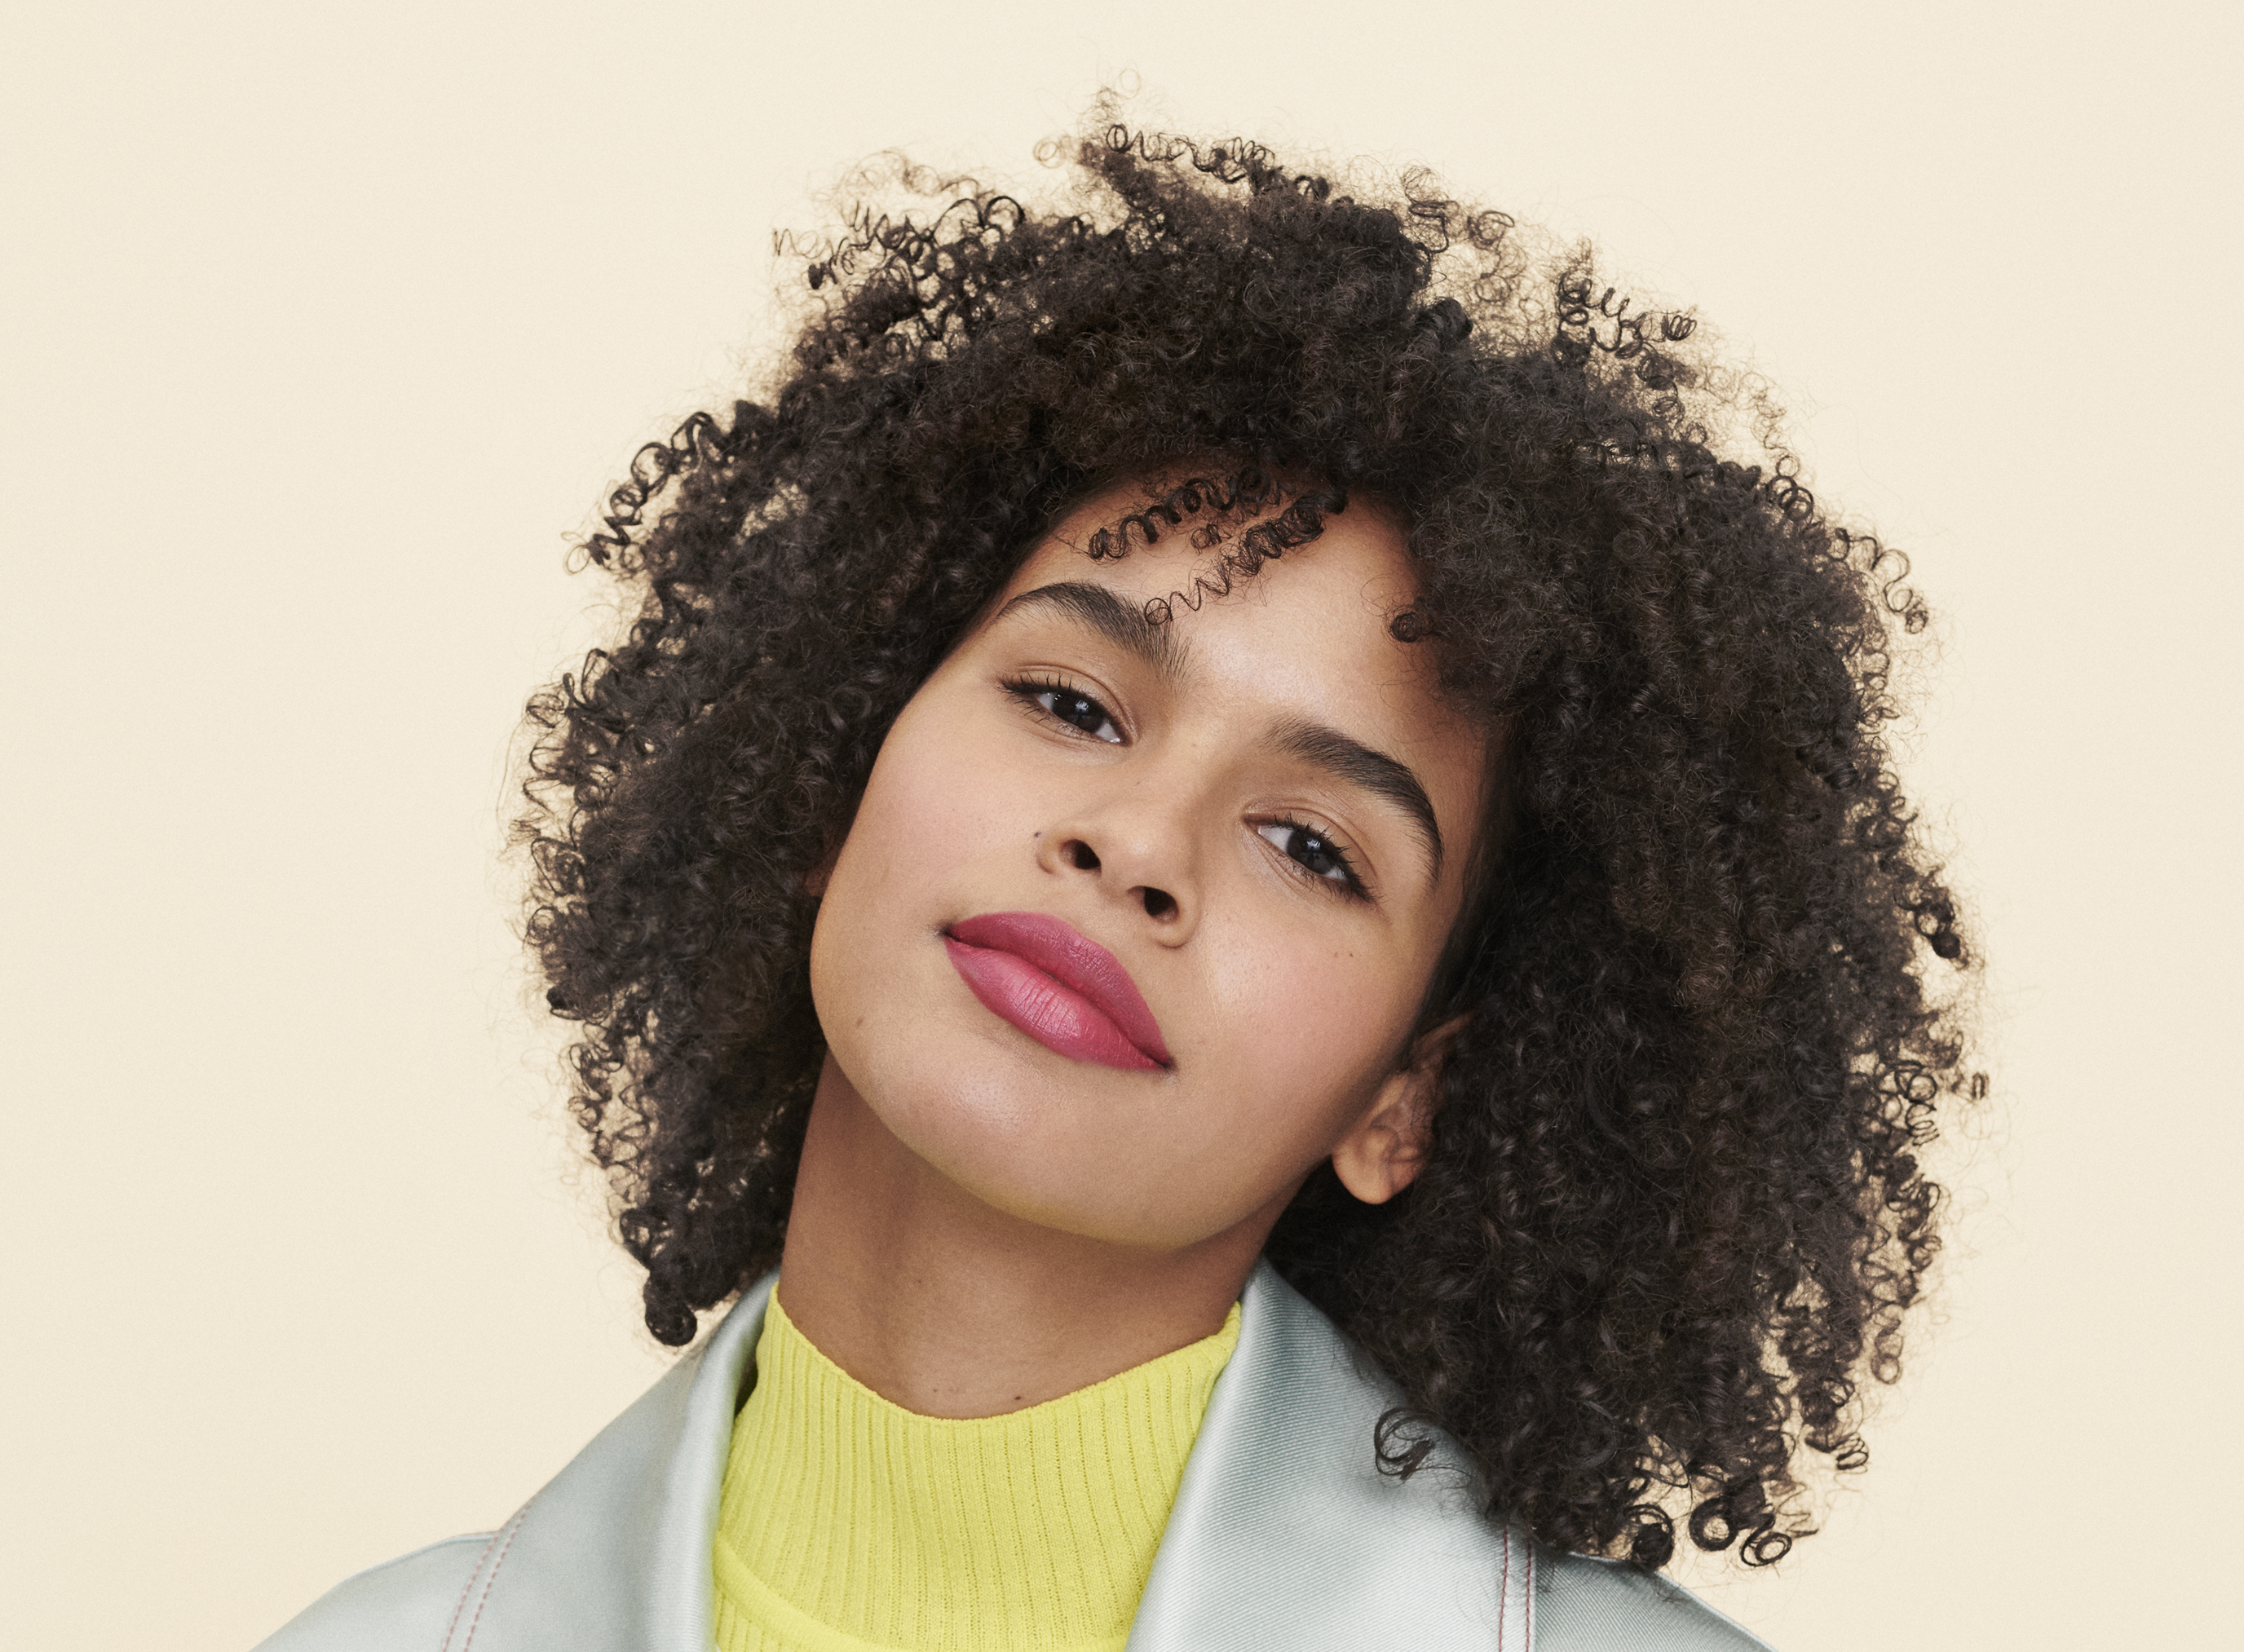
(1070, 705)
(1312, 851)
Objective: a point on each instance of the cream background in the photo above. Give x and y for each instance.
(325, 326)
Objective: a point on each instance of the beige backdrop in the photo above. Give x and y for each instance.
(326, 326)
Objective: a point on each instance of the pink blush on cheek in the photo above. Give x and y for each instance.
(1057, 1017)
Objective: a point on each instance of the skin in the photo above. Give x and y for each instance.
(980, 1223)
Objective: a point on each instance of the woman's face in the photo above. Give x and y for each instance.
(1133, 923)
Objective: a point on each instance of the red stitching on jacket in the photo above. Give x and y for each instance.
(1528, 1590)
(1504, 1593)
(466, 1589)
(504, 1539)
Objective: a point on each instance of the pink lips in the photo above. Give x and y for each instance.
(1064, 990)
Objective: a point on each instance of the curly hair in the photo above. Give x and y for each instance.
(1673, 1209)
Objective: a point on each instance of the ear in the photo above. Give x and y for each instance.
(1383, 1154)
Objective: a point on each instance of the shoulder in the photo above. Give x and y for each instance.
(611, 1555)
(409, 1602)
(1582, 1604)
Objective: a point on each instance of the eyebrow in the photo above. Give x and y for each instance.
(1356, 764)
(1111, 618)
(1317, 744)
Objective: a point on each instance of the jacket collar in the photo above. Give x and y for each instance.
(1284, 1535)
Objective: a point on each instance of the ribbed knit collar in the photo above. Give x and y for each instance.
(848, 1523)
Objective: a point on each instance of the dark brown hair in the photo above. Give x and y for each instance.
(1673, 1210)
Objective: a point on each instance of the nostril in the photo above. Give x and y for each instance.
(1081, 854)
(1160, 903)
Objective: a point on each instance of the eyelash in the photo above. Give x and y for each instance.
(1030, 691)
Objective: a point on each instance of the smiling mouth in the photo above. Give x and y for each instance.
(1058, 985)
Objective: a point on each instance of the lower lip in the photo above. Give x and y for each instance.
(1057, 1017)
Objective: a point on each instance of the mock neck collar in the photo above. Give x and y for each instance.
(846, 1513)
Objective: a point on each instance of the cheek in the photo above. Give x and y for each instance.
(1309, 1029)
(866, 901)
(916, 824)
(938, 812)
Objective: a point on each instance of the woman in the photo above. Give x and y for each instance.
(1252, 902)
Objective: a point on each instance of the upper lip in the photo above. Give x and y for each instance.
(1075, 961)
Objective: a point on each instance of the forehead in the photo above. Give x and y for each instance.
(1333, 598)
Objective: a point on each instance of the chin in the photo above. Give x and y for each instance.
(1031, 1146)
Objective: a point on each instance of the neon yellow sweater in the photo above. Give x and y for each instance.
(849, 1523)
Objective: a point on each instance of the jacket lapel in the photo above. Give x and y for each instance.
(1285, 1534)
(613, 1554)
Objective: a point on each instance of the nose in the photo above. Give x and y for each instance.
(1142, 857)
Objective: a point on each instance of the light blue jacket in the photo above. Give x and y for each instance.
(1285, 1538)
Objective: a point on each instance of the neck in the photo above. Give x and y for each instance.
(948, 1307)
